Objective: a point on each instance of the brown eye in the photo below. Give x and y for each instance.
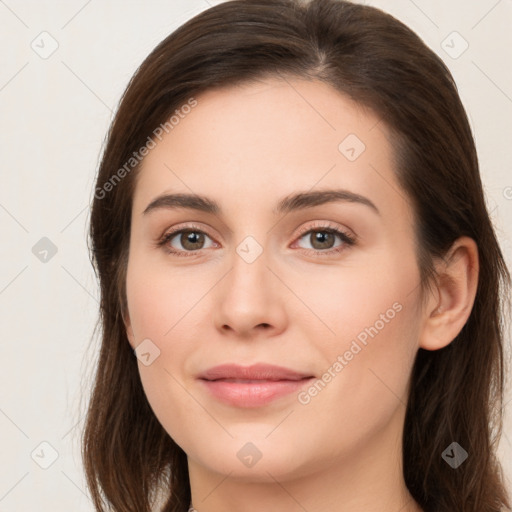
(322, 239)
(191, 240)
(185, 242)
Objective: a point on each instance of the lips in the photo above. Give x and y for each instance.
(252, 386)
(256, 372)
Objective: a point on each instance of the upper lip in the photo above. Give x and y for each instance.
(259, 371)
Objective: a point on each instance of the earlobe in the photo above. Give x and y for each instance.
(129, 330)
(450, 305)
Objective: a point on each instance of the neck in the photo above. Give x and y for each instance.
(369, 478)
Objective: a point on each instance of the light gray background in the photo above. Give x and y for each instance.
(55, 112)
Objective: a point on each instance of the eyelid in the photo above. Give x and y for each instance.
(325, 224)
(168, 235)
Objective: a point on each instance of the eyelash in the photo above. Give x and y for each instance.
(348, 239)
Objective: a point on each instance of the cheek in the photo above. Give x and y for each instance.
(365, 379)
(372, 340)
(159, 299)
(362, 301)
(161, 304)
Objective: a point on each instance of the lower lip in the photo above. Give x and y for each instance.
(253, 394)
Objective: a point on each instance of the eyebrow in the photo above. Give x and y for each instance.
(293, 202)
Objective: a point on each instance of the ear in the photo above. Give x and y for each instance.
(449, 306)
(129, 330)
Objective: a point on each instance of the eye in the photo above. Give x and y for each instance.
(322, 237)
(190, 239)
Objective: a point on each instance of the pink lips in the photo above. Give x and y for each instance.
(252, 386)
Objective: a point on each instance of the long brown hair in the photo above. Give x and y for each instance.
(456, 393)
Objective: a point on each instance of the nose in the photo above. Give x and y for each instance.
(250, 299)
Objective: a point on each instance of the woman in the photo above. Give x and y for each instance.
(301, 289)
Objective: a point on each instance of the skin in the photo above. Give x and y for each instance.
(247, 147)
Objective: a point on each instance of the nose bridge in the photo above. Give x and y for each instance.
(248, 276)
(247, 296)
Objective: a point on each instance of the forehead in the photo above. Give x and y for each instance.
(256, 142)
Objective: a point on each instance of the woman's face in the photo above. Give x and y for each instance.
(267, 279)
